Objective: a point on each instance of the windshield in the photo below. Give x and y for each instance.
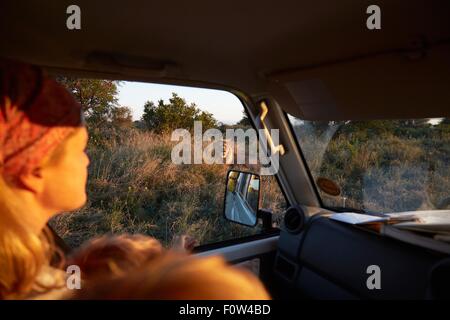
(379, 165)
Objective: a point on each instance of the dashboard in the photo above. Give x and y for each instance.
(319, 258)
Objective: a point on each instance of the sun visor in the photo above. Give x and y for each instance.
(401, 85)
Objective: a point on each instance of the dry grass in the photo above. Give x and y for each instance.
(134, 187)
(385, 172)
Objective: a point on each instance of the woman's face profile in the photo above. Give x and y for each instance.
(65, 174)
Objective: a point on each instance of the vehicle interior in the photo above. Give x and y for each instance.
(312, 60)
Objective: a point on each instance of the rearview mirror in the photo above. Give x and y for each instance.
(242, 197)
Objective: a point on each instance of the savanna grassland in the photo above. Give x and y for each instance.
(381, 166)
(134, 187)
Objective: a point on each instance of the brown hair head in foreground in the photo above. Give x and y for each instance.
(176, 276)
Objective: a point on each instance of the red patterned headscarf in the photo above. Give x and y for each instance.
(36, 115)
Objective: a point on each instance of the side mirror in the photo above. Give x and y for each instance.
(242, 197)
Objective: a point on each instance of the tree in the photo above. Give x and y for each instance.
(121, 117)
(97, 97)
(245, 121)
(411, 123)
(445, 121)
(175, 114)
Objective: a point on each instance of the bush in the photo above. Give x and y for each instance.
(164, 118)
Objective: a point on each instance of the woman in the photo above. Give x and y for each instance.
(43, 172)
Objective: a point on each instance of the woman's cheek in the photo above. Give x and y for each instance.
(75, 183)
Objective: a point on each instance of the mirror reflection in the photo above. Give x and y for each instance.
(242, 197)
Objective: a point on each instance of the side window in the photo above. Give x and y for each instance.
(134, 186)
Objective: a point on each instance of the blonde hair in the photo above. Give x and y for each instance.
(23, 254)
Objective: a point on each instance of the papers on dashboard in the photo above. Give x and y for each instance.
(357, 218)
(408, 226)
(432, 221)
(436, 223)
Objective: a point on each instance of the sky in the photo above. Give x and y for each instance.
(224, 105)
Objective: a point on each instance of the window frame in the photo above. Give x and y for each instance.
(222, 243)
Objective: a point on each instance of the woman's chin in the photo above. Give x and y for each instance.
(75, 205)
(81, 203)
